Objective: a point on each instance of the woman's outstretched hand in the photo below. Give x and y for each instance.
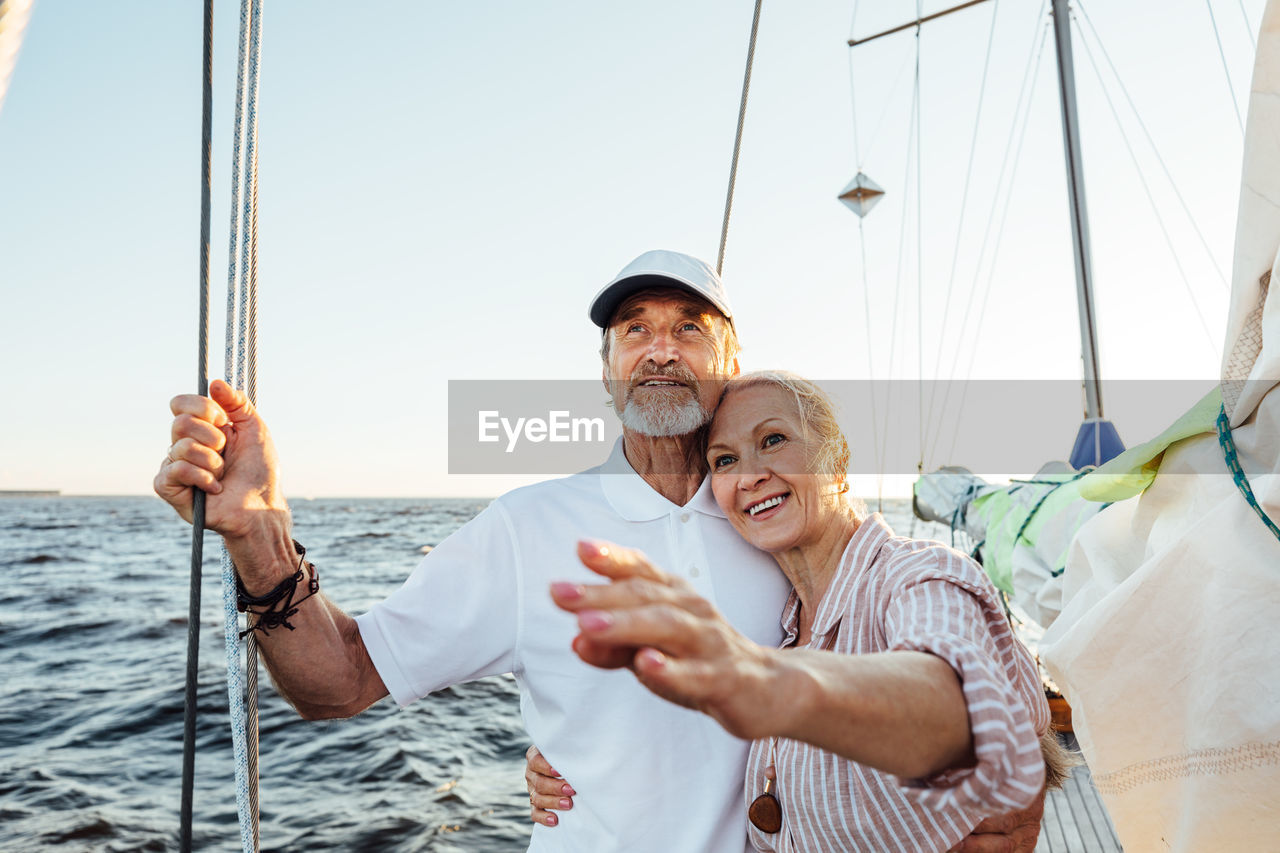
(677, 644)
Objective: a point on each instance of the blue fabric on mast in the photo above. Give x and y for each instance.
(1096, 442)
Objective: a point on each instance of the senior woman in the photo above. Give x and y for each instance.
(899, 712)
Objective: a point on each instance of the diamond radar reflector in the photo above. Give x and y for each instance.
(861, 195)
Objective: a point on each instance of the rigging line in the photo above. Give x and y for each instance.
(1226, 69)
(919, 251)
(878, 444)
(995, 250)
(897, 286)
(964, 204)
(853, 95)
(191, 694)
(866, 305)
(862, 252)
(889, 101)
(1030, 72)
(1150, 141)
(1146, 189)
(1248, 25)
(737, 138)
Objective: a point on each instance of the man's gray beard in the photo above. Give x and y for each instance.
(664, 418)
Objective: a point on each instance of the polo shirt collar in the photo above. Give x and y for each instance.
(860, 554)
(635, 500)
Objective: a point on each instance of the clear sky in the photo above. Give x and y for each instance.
(445, 185)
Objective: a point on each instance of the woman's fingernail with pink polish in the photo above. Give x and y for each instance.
(594, 546)
(594, 620)
(566, 590)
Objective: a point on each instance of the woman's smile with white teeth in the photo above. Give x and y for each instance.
(767, 503)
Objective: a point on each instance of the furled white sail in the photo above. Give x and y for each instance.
(1166, 646)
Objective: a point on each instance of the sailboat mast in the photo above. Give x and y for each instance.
(1079, 211)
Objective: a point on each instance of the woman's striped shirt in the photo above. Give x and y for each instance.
(892, 593)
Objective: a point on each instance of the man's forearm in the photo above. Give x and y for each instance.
(321, 666)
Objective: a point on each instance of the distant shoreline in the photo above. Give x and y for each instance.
(30, 493)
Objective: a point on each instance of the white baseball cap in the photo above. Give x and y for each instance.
(660, 268)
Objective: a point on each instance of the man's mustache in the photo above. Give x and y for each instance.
(677, 373)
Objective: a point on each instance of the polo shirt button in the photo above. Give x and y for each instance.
(684, 517)
(693, 571)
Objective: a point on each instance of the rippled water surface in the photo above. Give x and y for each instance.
(93, 611)
(93, 629)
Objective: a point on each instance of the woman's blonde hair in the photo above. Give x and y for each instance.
(817, 418)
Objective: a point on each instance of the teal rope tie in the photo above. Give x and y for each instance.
(1056, 485)
(959, 514)
(1045, 497)
(1232, 457)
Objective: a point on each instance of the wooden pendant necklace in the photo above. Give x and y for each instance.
(765, 812)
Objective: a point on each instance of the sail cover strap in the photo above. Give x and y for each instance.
(1237, 473)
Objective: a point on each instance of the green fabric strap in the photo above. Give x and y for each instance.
(1056, 485)
(1237, 473)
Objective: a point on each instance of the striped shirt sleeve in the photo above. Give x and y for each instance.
(943, 605)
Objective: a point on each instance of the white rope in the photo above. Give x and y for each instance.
(249, 283)
(241, 372)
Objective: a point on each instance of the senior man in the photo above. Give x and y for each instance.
(648, 775)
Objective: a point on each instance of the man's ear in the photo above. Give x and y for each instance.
(604, 378)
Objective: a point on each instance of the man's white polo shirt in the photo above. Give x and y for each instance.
(650, 775)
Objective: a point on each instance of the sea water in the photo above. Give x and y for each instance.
(93, 613)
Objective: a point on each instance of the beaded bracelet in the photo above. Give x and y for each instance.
(277, 606)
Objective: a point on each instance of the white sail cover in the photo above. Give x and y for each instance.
(1168, 645)
(13, 20)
